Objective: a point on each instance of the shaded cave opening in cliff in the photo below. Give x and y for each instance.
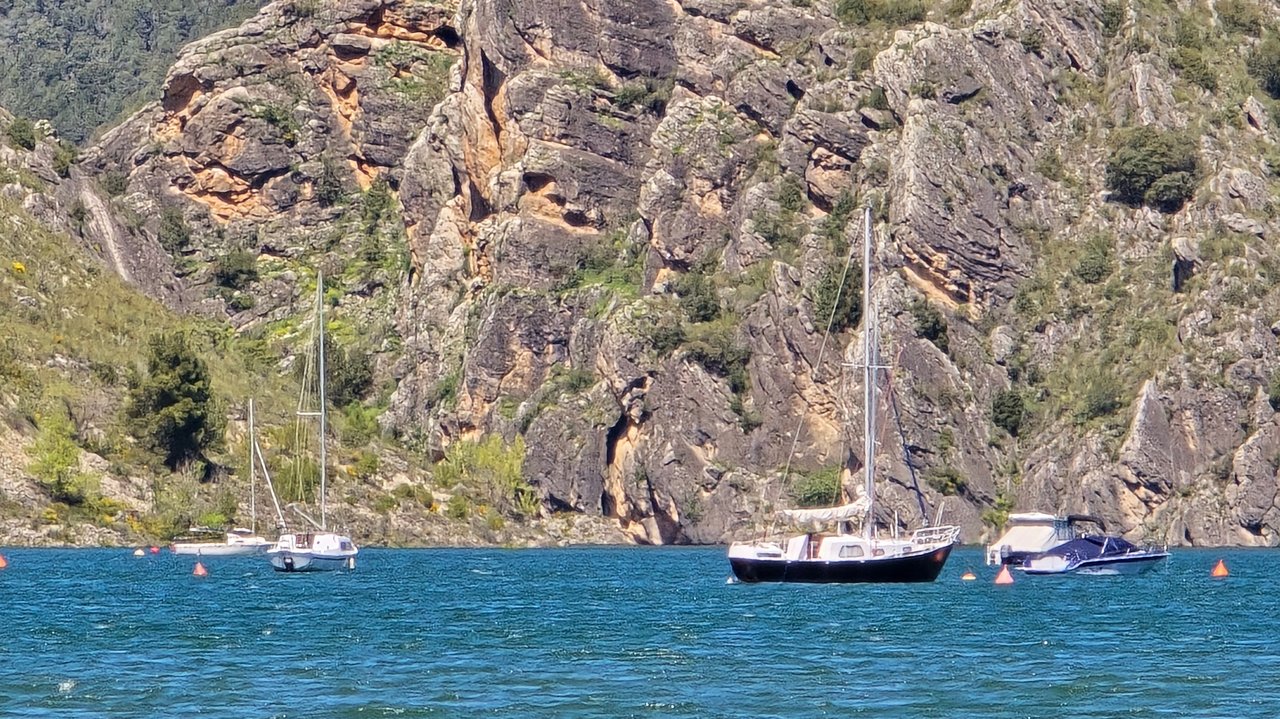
(448, 36)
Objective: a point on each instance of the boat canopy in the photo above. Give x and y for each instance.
(853, 510)
(1092, 547)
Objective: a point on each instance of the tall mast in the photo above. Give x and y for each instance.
(869, 378)
(253, 473)
(320, 379)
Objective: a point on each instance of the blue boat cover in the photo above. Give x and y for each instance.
(1090, 547)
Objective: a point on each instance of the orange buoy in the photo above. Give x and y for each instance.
(200, 571)
(1004, 577)
(155, 550)
(3, 562)
(968, 576)
(1219, 571)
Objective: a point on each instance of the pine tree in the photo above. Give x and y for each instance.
(172, 410)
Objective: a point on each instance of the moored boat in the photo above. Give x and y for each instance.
(1095, 554)
(841, 556)
(1030, 533)
(239, 542)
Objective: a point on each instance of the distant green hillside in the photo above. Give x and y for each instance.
(83, 63)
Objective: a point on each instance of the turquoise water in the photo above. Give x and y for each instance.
(625, 632)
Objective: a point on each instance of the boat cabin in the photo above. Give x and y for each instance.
(1035, 532)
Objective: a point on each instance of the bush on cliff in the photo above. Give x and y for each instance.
(1153, 167)
(172, 409)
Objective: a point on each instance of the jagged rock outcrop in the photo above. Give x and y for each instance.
(624, 221)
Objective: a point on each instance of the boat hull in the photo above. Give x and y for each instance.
(923, 567)
(309, 562)
(1126, 565)
(220, 550)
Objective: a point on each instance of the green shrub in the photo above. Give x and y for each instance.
(820, 488)
(1145, 155)
(946, 480)
(1190, 63)
(174, 235)
(328, 188)
(698, 296)
(713, 346)
(649, 93)
(235, 270)
(1264, 65)
(1113, 12)
(458, 507)
(894, 13)
(114, 183)
(778, 230)
(1101, 397)
(1007, 411)
(349, 372)
(57, 461)
(837, 304)
(876, 99)
(930, 324)
(1273, 392)
(1240, 16)
(493, 469)
(664, 334)
(22, 134)
(172, 409)
(791, 193)
(359, 424)
(379, 205)
(64, 156)
(1094, 265)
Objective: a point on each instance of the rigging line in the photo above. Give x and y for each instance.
(822, 349)
(902, 435)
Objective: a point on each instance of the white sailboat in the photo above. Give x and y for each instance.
(239, 542)
(315, 548)
(842, 556)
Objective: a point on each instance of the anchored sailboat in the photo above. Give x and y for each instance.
(316, 548)
(842, 557)
(238, 542)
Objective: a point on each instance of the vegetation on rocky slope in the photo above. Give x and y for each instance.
(86, 63)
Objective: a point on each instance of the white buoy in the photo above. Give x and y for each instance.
(139, 553)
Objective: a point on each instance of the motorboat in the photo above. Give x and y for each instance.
(239, 542)
(1095, 554)
(312, 552)
(1031, 533)
(843, 556)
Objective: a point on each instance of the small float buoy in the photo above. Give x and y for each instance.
(139, 553)
(155, 549)
(200, 571)
(1219, 571)
(1004, 577)
(968, 576)
(3, 562)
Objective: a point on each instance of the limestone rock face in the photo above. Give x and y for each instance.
(624, 224)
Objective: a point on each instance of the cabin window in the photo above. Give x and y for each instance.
(878, 553)
(850, 551)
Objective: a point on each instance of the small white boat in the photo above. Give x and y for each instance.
(1033, 533)
(313, 552)
(239, 542)
(317, 549)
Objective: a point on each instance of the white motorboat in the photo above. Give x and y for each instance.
(1095, 554)
(239, 542)
(845, 557)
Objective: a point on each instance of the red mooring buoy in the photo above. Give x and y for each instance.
(1004, 577)
(1220, 570)
(200, 571)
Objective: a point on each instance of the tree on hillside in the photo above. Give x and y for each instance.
(172, 410)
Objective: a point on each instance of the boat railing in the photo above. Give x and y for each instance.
(935, 535)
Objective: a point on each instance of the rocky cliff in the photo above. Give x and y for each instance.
(614, 232)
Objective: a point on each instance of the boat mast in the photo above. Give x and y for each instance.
(869, 377)
(253, 473)
(320, 379)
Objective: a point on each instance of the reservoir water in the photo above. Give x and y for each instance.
(625, 632)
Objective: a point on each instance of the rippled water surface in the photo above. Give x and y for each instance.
(626, 632)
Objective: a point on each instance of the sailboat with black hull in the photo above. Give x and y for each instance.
(315, 548)
(842, 556)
